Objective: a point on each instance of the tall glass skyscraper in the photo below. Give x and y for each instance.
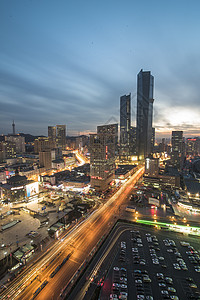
(145, 86)
(125, 120)
(52, 132)
(61, 136)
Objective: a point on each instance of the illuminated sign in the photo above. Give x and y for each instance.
(32, 189)
(147, 163)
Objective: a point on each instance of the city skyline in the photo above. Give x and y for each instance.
(70, 63)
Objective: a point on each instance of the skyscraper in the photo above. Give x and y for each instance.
(125, 123)
(61, 136)
(52, 133)
(102, 156)
(177, 149)
(145, 86)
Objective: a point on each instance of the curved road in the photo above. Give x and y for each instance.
(79, 243)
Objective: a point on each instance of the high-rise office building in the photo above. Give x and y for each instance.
(102, 156)
(133, 141)
(125, 119)
(52, 133)
(145, 86)
(125, 125)
(177, 154)
(61, 136)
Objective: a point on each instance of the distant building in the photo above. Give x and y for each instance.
(52, 133)
(145, 86)
(193, 146)
(19, 141)
(153, 139)
(151, 166)
(133, 133)
(177, 154)
(61, 136)
(43, 144)
(125, 124)
(58, 164)
(102, 157)
(7, 150)
(169, 179)
(18, 188)
(45, 159)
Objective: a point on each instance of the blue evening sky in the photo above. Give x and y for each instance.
(68, 62)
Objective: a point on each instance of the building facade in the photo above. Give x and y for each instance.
(61, 136)
(125, 123)
(19, 141)
(145, 87)
(102, 156)
(177, 154)
(52, 133)
(43, 144)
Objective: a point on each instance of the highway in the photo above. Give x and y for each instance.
(79, 243)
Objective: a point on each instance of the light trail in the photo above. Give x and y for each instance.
(25, 279)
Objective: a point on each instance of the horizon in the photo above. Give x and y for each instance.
(54, 69)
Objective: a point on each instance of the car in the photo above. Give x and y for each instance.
(137, 271)
(123, 286)
(197, 269)
(159, 275)
(169, 280)
(115, 284)
(189, 279)
(138, 281)
(171, 289)
(113, 296)
(140, 297)
(193, 285)
(124, 294)
(146, 279)
(115, 268)
(164, 266)
(174, 297)
(176, 266)
(164, 292)
(161, 258)
(135, 250)
(155, 261)
(123, 279)
(184, 244)
(148, 297)
(170, 250)
(161, 284)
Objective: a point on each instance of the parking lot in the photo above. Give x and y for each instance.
(154, 264)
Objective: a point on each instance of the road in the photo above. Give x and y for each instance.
(79, 242)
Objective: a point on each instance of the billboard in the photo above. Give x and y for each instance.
(154, 201)
(32, 189)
